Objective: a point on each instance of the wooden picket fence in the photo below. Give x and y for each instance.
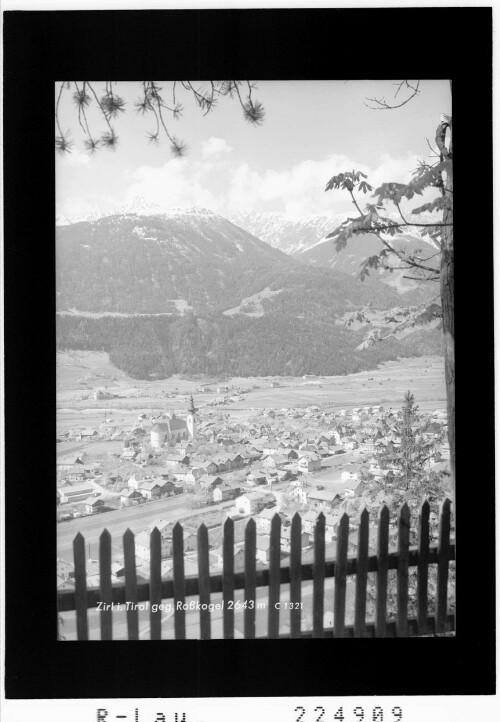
(203, 585)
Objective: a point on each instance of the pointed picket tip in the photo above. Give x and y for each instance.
(78, 539)
(384, 511)
(296, 517)
(320, 519)
(276, 521)
(229, 523)
(364, 514)
(155, 533)
(129, 534)
(445, 505)
(250, 526)
(425, 507)
(105, 534)
(202, 528)
(177, 528)
(404, 508)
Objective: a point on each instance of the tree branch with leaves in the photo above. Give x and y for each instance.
(374, 218)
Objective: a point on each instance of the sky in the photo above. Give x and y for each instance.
(312, 130)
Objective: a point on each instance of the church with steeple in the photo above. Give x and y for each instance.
(175, 430)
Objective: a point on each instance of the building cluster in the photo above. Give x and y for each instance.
(278, 461)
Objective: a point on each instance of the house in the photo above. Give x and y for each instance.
(130, 497)
(308, 462)
(262, 548)
(65, 569)
(273, 461)
(190, 542)
(322, 500)
(286, 540)
(217, 555)
(167, 487)
(78, 492)
(347, 476)
(150, 490)
(257, 478)
(265, 518)
(174, 459)
(65, 463)
(208, 482)
(143, 542)
(253, 502)
(86, 434)
(193, 475)
(210, 467)
(350, 444)
(309, 521)
(164, 527)
(331, 528)
(359, 488)
(129, 453)
(139, 478)
(93, 505)
(77, 474)
(298, 492)
(224, 492)
(237, 461)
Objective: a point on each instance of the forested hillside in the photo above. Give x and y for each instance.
(273, 344)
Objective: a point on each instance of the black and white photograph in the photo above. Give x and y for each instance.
(255, 379)
(230, 341)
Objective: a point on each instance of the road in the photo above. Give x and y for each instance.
(68, 628)
(135, 518)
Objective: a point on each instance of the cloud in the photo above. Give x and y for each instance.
(74, 158)
(231, 187)
(214, 146)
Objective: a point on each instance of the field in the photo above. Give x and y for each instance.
(80, 374)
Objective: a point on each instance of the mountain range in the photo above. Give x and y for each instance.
(216, 286)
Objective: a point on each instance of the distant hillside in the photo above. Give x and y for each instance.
(190, 292)
(191, 260)
(140, 264)
(305, 239)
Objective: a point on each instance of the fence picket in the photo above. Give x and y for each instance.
(131, 585)
(402, 573)
(340, 576)
(382, 571)
(362, 575)
(295, 575)
(105, 587)
(273, 622)
(423, 567)
(155, 584)
(82, 626)
(443, 565)
(250, 580)
(179, 582)
(319, 576)
(204, 584)
(228, 579)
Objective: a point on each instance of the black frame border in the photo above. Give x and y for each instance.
(45, 46)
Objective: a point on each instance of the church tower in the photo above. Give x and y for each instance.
(191, 420)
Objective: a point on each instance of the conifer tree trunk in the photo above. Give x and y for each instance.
(447, 279)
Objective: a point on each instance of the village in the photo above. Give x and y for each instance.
(200, 465)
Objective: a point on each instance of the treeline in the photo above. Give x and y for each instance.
(274, 344)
